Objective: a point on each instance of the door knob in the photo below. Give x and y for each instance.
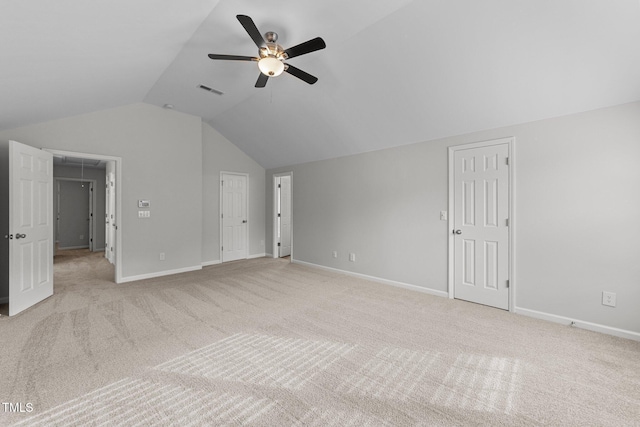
(458, 231)
(20, 236)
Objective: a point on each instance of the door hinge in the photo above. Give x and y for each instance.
(222, 183)
(507, 283)
(279, 186)
(507, 220)
(278, 243)
(221, 215)
(278, 215)
(507, 160)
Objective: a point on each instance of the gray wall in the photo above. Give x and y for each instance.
(577, 210)
(73, 224)
(161, 153)
(97, 175)
(218, 154)
(4, 221)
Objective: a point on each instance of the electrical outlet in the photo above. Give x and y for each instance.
(81, 236)
(352, 257)
(162, 256)
(609, 298)
(335, 254)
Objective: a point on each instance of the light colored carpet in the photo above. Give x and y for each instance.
(266, 342)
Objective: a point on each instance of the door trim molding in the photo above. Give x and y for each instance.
(118, 163)
(275, 251)
(220, 206)
(510, 141)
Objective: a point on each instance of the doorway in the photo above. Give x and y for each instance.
(282, 215)
(481, 223)
(110, 168)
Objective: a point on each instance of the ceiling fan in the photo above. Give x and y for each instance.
(271, 56)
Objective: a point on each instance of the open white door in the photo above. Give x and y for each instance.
(91, 202)
(110, 218)
(30, 226)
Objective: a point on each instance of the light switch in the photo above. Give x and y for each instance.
(443, 215)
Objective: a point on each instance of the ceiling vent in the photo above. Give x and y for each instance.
(208, 89)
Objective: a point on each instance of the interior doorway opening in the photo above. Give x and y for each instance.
(283, 215)
(103, 173)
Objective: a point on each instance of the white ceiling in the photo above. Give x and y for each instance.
(393, 73)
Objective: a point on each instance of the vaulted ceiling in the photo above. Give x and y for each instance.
(393, 73)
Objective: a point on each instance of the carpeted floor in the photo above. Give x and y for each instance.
(266, 342)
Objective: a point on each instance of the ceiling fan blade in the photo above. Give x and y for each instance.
(306, 47)
(262, 80)
(252, 30)
(232, 57)
(302, 75)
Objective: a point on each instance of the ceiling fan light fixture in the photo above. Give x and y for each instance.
(271, 66)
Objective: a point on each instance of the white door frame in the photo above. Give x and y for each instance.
(92, 206)
(118, 163)
(275, 251)
(221, 207)
(510, 141)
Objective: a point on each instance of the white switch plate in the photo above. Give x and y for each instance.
(162, 256)
(443, 215)
(335, 254)
(144, 214)
(352, 257)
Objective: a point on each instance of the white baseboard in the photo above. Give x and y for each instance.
(4, 300)
(68, 248)
(622, 333)
(376, 279)
(217, 261)
(159, 274)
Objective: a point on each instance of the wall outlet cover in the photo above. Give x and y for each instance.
(609, 298)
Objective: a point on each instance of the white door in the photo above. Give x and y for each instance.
(234, 217)
(91, 216)
(481, 233)
(285, 216)
(110, 220)
(31, 226)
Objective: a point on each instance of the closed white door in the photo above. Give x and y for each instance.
(481, 233)
(234, 217)
(30, 226)
(285, 216)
